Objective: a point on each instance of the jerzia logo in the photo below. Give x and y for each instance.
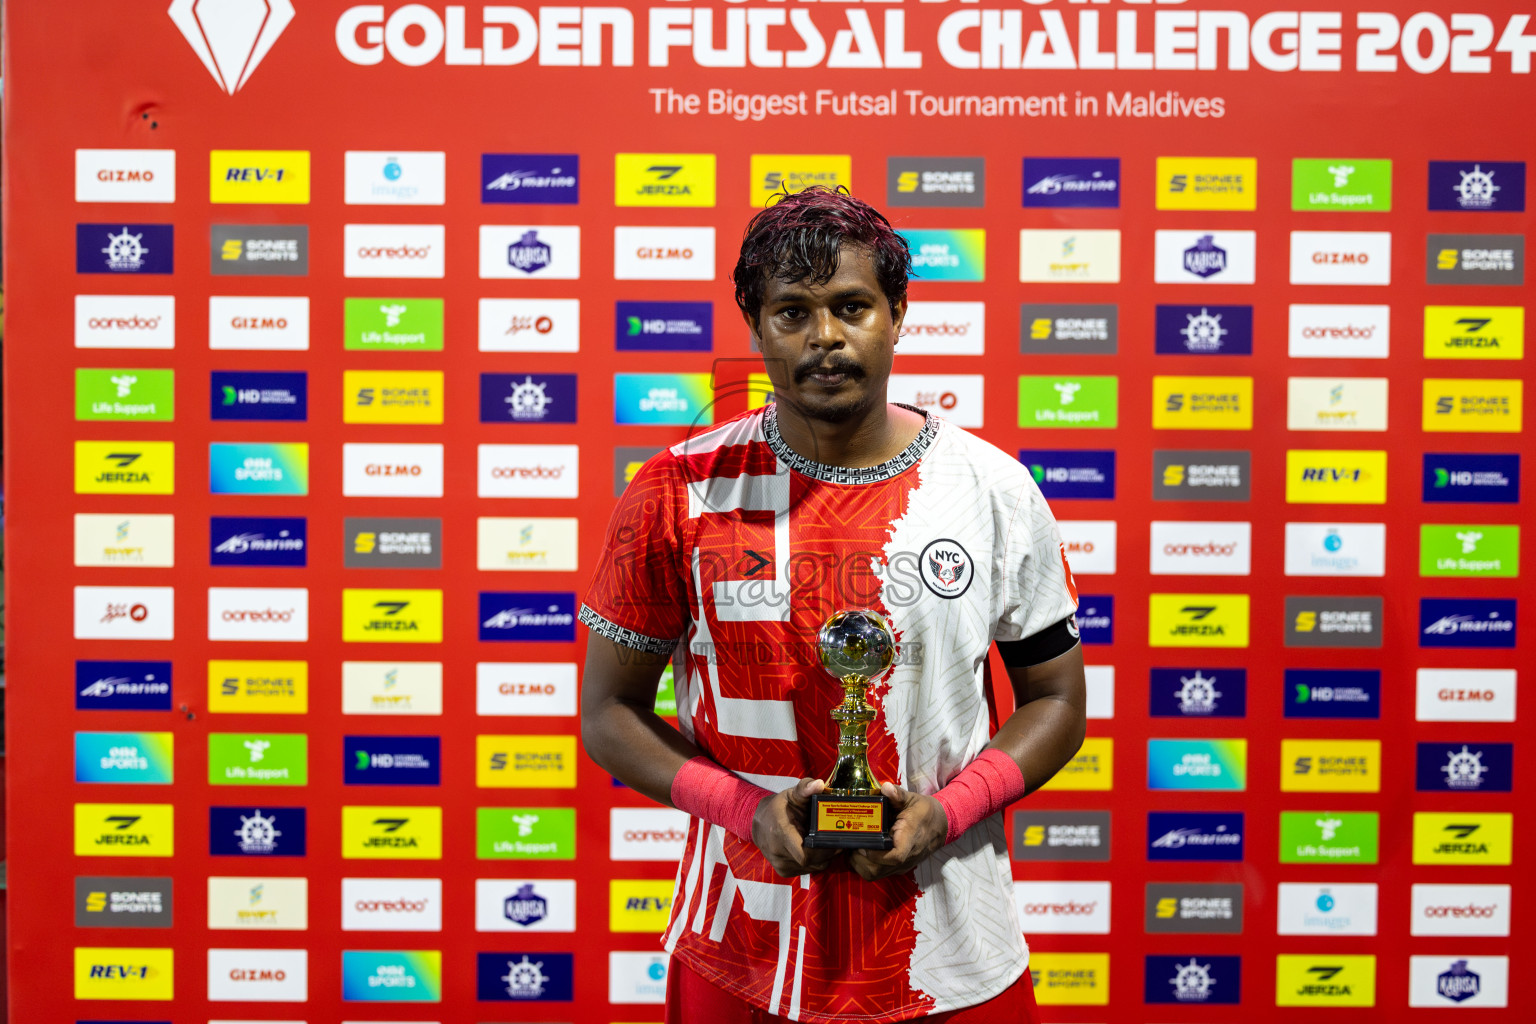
(231, 38)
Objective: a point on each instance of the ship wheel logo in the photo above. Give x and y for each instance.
(525, 979)
(1204, 331)
(1477, 188)
(258, 833)
(1463, 769)
(125, 251)
(1192, 982)
(528, 400)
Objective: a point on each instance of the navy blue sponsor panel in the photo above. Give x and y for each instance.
(391, 760)
(530, 178)
(538, 616)
(664, 326)
(257, 831)
(1188, 980)
(1055, 182)
(1332, 693)
(1205, 330)
(119, 248)
(1070, 472)
(1096, 618)
(1199, 693)
(1466, 622)
(254, 395)
(122, 686)
(1194, 835)
(524, 977)
(1471, 477)
(528, 398)
(263, 540)
(1477, 186)
(1452, 766)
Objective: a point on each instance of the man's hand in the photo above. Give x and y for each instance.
(778, 829)
(919, 830)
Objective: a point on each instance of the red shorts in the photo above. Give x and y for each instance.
(692, 1000)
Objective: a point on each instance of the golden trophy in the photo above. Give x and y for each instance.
(850, 814)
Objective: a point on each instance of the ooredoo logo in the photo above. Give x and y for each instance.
(391, 904)
(1074, 908)
(1201, 549)
(125, 321)
(392, 470)
(646, 833)
(278, 323)
(1332, 332)
(944, 328)
(1460, 910)
(393, 250)
(528, 471)
(258, 613)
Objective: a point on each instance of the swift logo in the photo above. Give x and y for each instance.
(231, 38)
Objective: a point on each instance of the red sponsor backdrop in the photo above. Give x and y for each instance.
(94, 74)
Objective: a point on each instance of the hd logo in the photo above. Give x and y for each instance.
(392, 833)
(124, 830)
(1198, 620)
(664, 179)
(1333, 980)
(1474, 332)
(392, 616)
(125, 467)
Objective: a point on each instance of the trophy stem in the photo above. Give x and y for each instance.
(851, 775)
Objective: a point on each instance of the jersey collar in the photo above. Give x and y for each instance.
(908, 458)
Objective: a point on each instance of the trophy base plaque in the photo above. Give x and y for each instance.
(850, 823)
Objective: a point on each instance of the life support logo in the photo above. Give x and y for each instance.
(946, 568)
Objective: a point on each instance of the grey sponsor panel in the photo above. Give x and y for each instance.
(623, 457)
(112, 902)
(1075, 329)
(1194, 908)
(259, 249)
(1333, 622)
(1061, 835)
(935, 181)
(393, 543)
(1475, 259)
(1201, 475)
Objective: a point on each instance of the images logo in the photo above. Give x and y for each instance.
(1199, 693)
(128, 395)
(1059, 328)
(664, 326)
(1201, 475)
(1061, 835)
(258, 176)
(391, 833)
(1485, 479)
(1192, 908)
(1056, 182)
(145, 758)
(1205, 330)
(1207, 183)
(122, 686)
(524, 398)
(1333, 621)
(1198, 620)
(1332, 693)
(258, 396)
(1082, 256)
(281, 468)
(1202, 403)
(1474, 332)
(682, 399)
(1205, 979)
(1485, 186)
(793, 173)
(1484, 550)
(1473, 406)
(258, 541)
(123, 902)
(1466, 622)
(395, 178)
(231, 39)
(1335, 477)
(393, 325)
(258, 759)
(396, 976)
(1345, 185)
(125, 830)
(1197, 764)
(1328, 837)
(1204, 257)
(1194, 836)
(124, 248)
(258, 687)
(1069, 402)
(524, 977)
(248, 250)
(525, 762)
(1335, 549)
(1475, 259)
(1334, 980)
(257, 832)
(136, 973)
(391, 616)
(935, 181)
(125, 176)
(1462, 838)
(392, 543)
(1338, 909)
(391, 760)
(1474, 768)
(956, 254)
(664, 179)
(1341, 257)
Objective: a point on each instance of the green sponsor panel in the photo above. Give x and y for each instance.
(1469, 550)
(1355, 186)
(135, 395)
(394, 325)
(258, 759)
(525, 833)
(666, 695)
(1091, 402)
(1328, 837)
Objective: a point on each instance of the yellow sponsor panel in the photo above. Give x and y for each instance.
(1474, 332)
(525, 762)
(1335, 477)
(1093, 768)
(392, 616)
(777, 172)
(1325, 980)
(1460, 838)
(392, 396)
(258, 687)
(125, 467)
(664, 179)
(1202, 403)
(639, 905)
(1468, 405)
(125, 830)
(392, 833)
(1070, 979)
(1197, 620)
(125, 972)
(1207, 183)
(1330, 766)
(258, 176)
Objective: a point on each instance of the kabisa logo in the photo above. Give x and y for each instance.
(122, 686)
(527, 398)
(1205, 258)
(391, 760)
(946, 568)
(1466, 622)
(1473, 768)
(1206, 979)
(124, 248)
(525, 907)
(1332, 693)
(1481, 478)
(1096, 618)
(1484, 186)
(528, 616)
(1199, 693)
(528, 253)
(524, 977)
(529, 178)
(258, 541)
(664, 326)
(246, 395)
(1205, 330)
(257, 831)
(231, 39)
(1071, 473)
(1194, 836)
(1459, 983)
(1071, 182)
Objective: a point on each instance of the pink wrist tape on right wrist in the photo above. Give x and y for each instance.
(706, 790)
(984, 787)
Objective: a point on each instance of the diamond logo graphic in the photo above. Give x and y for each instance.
(231, 37)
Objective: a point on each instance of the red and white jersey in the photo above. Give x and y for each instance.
(730, 549)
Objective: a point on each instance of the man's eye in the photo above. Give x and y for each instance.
(853, 309)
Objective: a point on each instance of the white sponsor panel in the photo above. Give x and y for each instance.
(392, 470)
(647, 833)
(1341, 257)
(258, 323)
(546, 544)
(125, 321)
(395, 178)
(1063, 908)
(1460, 910)
(129, 539)
(525, 905)
(663, 254)
(1340, 332)
(242, 903)
(1308, 909)
(943, 329)
(957, 397)
(526, 688)
(1201, 548)
(1456, 981)
(637, 978)
(530, 325)
(1089, 545)
(1336, 403)
(258, 613)
(391, 904)
(125, 613)
(530, 252)
(1335, 549)
(391, 687)
(1055, 256)
(258, 975)
(528, 471)
(125, 175)
(1466, 694)
(1205, 257)
(392, 250)
(1100, 680)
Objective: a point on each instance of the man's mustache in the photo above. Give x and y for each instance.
(849, 368)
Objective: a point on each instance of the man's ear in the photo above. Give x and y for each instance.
(751, 322)
(898, 316)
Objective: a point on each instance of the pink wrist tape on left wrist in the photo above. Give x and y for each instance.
(706, 790)
(984, 787)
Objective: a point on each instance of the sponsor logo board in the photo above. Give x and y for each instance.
(1344, 185)
(665, 326)
(1061, 835)
(1339, 332)
(1193, 908)
(258, 975)
(391, 760)
(1473, 406)
(1074, 182)
(257, 323)
(528, 398)
(935, 181)
(265, 176)
(1091, 769)
(1089, 545)
(948, 254)
(1059, 256)
(639, 905)
(778, 172)
(103, 539)
(1335, 549)
(1336, 403)
(519, 977)
(125, 321)
(1071, 473)
(1333, 621)
(646, 834)
(1204, 330)
(280, 468)
(126, 176)
(637, 978)
(393, 250)
(391, 688)
(1471, 477)
(1204, 257)
(1469, 550)
(392, 470)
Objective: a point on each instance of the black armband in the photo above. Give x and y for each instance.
(1051, 642)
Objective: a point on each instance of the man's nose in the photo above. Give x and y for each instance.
(825, 330)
